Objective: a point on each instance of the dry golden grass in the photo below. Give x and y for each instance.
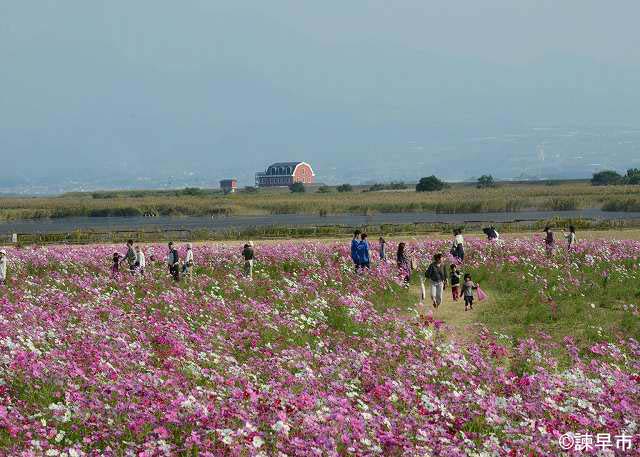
(456, 199)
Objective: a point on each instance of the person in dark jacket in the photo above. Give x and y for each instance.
(549, 242)
(249, 256)
(381, 248)
(455, 281)
(491, 232)
(354, 249)
(437, 276)
(115, 266)
(364, 259)
(404, 263)
(173, 262)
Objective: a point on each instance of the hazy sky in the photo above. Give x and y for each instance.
(152, 87)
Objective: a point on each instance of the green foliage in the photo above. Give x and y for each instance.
(99, 195)
(324, 190)
(485, 181)
(397, 185)
(605, 178)
(339, 318)
(345, 188)
(192, 191)
(393, 185)
(429, 184)
(633, 176)
(297, 187)
(250, 190)
(590, 312)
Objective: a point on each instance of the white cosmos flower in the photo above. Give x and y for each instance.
(257, 442)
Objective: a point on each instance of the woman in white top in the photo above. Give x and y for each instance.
(457, 250)
(3, 266)
(188, 260)
(571, 237)
(141, 262)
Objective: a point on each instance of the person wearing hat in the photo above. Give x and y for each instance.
(248, 256)
(3, 266)
(188, 261)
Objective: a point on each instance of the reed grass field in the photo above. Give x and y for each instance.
(457, 198)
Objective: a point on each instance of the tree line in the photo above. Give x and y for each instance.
(611, 177)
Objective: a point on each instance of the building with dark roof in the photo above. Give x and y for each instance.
(229, 186)
(281, 174)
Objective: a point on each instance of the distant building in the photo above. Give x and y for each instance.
(229, 186)
(283, 174)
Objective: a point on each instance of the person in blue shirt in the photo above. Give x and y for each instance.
(363, 252)
(354, 248)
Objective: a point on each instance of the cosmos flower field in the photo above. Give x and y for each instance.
(310, 358)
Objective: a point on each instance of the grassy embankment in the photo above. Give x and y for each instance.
(459, 198)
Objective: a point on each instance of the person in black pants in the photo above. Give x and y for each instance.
(173, 261)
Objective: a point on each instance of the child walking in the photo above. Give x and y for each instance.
(467, 289)
(455, 282)
(549, 242)
(115, 268)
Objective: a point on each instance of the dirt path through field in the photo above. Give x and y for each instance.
(452, 313)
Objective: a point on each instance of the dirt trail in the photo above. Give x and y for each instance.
(451, 312)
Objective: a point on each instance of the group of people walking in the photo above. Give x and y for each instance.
(438, 278)
(360, 250)
(136, 261)
(462, 284)
(178, 267)
(460, 288)
(436, 274)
